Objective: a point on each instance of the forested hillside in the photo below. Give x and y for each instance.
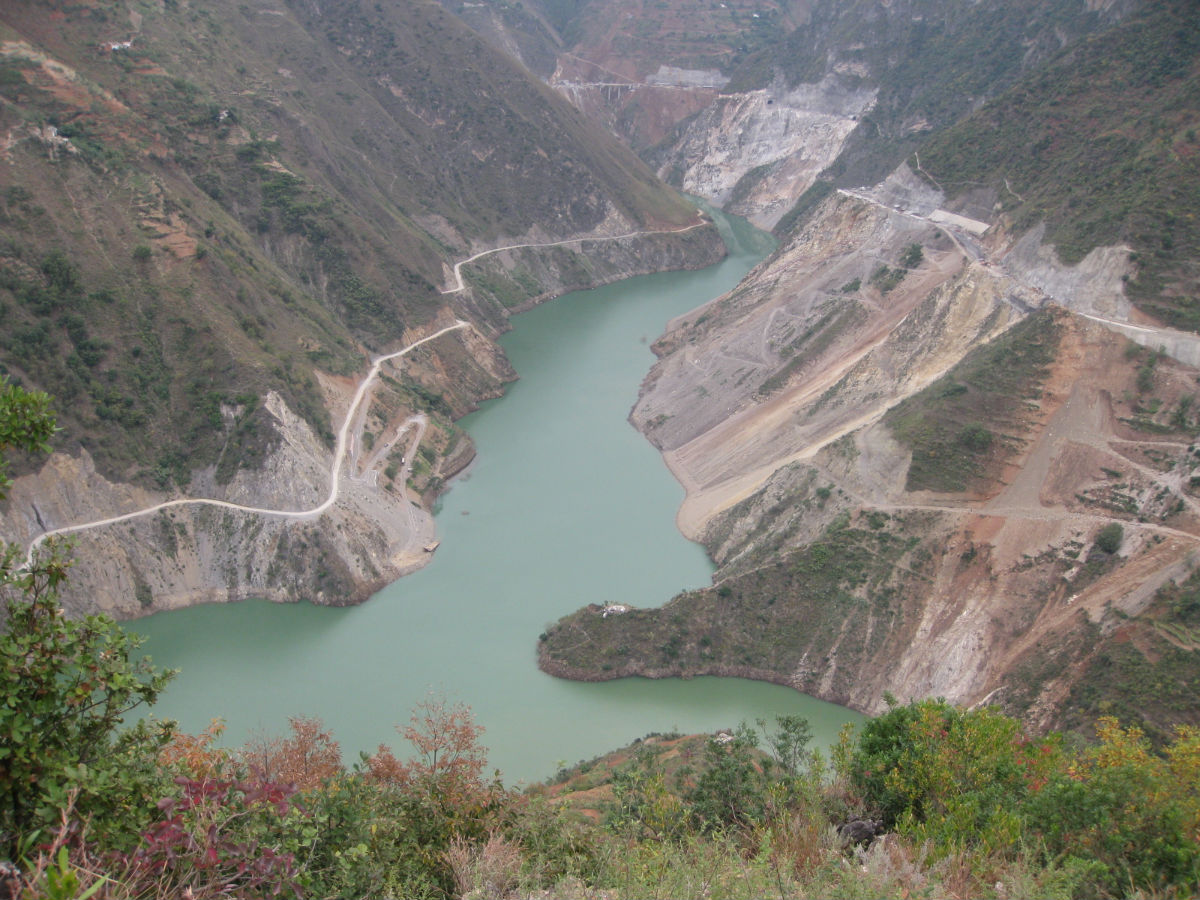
(213, 216)
(206, 202)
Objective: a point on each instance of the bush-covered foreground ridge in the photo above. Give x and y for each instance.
(927, 799)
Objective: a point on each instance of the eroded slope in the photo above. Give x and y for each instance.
(906, 464)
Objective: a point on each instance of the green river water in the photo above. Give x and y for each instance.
(565, 505)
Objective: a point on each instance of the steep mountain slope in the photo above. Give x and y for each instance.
(213, 215)
(747, 104)
(950, 544)
(931, 62)
(931, 454)
(1059, 151)
(639, 69)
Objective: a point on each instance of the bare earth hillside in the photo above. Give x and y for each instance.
(905, 472)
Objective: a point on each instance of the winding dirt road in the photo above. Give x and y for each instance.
(355, 417)
(579, 240)
(1020, 501)
(339, 454)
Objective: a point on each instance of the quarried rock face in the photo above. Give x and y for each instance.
(755, 153)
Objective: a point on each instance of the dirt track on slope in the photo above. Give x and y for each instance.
(710, 467)
(349, 435)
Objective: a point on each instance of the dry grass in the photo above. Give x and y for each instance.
(490, 870)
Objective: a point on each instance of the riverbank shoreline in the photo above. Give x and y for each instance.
(565, 505)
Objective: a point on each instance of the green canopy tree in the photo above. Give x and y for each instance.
(26, 423)
(66, 687)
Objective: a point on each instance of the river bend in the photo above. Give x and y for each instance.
(565, 505)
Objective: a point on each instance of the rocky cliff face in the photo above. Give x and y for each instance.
(202, 554)
(377, 530)
(808, 349)
(756, 153)
(518, 278)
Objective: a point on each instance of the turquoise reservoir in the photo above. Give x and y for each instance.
(565, 505)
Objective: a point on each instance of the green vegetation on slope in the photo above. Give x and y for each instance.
(963, 427)
(1102, 145)
(932, 61)
(1143, 669)
(847, 588)
(970, 804)
(26, 424)
(242, 199)
(121, 364)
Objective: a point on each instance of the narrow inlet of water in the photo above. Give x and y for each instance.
(565, 505)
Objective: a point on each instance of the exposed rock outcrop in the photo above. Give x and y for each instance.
(755, 153)
(518, 279)
(199, 554)
(794, 359)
